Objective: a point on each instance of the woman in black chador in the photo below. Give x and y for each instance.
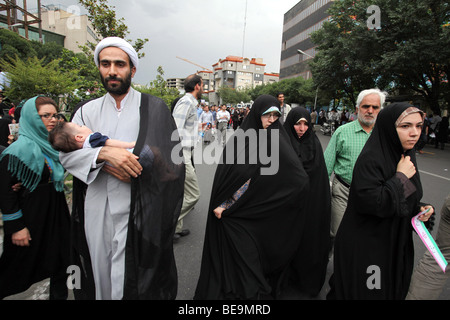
(36, 218)
(255, 217)
(309, 266)
(374, 250)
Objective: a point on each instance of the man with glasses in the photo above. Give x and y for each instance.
(344, 148)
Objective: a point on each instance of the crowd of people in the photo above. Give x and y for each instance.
(435, 129)
(264, 232)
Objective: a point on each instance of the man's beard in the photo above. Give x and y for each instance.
(366, 122)
(199, 94)
(119, 89)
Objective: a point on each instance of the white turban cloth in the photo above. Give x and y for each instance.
(118, 43)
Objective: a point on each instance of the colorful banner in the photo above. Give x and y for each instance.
(428, 240)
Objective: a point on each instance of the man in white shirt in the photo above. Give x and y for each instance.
(284, 107)
(223, 116)
(185, 116)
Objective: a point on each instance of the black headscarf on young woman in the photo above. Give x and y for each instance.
(375, 235)
(249, 248)
(309, 266)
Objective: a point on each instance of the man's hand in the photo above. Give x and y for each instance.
(122, 164)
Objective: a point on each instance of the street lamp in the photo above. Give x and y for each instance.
(303, 52)
(317, 90)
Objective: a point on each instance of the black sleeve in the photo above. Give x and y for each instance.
(13, 220)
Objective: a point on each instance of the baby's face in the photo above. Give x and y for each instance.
(80, 130)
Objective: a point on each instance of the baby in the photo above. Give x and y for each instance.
(69, 136)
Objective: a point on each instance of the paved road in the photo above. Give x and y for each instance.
(434, 167)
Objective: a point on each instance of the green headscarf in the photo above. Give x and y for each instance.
(27, 154)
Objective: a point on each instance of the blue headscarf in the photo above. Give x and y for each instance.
(28, 154)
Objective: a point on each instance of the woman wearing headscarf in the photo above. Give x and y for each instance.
(309, 266)
(36, 219)
(374, 250)
(255, 219)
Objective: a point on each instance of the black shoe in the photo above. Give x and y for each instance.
(183, 233)
(176, 237)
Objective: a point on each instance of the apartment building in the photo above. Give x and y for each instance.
(238, 72)
(234, 72)
(67, 21)
(177, 83)
(299, 22)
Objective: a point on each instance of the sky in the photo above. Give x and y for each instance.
(202, 31)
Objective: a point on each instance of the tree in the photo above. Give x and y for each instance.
(14, 45)
(296, 90)
(105, 22)
(31, 77)
(409, 51)
(418, 29)
(232, 96)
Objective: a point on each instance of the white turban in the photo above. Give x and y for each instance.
(118, 43)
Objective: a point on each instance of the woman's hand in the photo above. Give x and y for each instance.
(10, 139)
(424, 217)
(21, 238)
(17, 186)
(406, 166)
(218, 212)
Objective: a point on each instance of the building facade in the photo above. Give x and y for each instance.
(177, 83)
(299, 22)
(67, 21)
(233, 72)
(238, 73)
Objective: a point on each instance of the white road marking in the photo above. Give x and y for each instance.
(435, 175)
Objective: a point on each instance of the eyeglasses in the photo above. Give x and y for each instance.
(269, 115)
(367, 106)
(47, 116)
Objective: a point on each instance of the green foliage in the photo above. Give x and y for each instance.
(409, 53)
(295, 90)
(74, 76)
(14, 45)
(31, 77)
(35, 68)
(232, 96)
